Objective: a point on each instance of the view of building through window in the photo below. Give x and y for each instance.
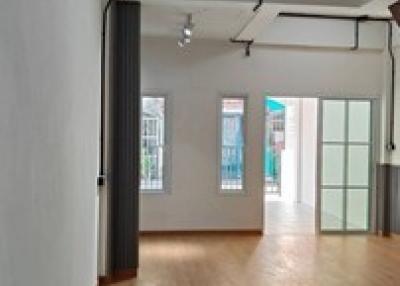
(232, 153)
(152, 143)
(274, 144)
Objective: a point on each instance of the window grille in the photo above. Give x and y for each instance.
(152, 143)
(232, 144)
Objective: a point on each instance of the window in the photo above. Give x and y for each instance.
(153, 144)
(232, 144)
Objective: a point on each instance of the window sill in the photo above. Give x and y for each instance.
(228, 192)
(153, 192)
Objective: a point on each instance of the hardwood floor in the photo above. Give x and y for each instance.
(288, 254)
(254, 260)
(283, 218)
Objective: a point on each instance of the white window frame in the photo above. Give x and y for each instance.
(221, 190)
(166, 168)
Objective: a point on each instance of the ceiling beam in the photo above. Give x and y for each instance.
(264, 16)
(336, 3)
(332, 3)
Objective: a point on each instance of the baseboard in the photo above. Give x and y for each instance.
(203, 231)
(117, 276)
(392, 234)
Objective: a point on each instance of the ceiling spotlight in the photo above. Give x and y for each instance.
(187, 32)
(181, 43)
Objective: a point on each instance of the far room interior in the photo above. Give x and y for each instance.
(261, 128)
(200, 142)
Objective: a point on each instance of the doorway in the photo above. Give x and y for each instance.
(290, 159)
(318, 165)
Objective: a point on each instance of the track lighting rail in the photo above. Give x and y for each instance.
(258, 5)
(247, 44)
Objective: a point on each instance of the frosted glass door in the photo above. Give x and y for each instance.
(345, 175)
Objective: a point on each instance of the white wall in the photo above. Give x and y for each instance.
(195, 77)
(290, 154)
(309, 150)
(49, 103)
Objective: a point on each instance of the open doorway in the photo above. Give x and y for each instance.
(290, 159)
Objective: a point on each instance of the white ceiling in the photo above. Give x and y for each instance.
(224, 19)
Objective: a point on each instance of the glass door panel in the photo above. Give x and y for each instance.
(332, 209)
(359, 118)
(332, 165)
(334, 121)
(358, 166)
(357, 209)
(345, 160)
